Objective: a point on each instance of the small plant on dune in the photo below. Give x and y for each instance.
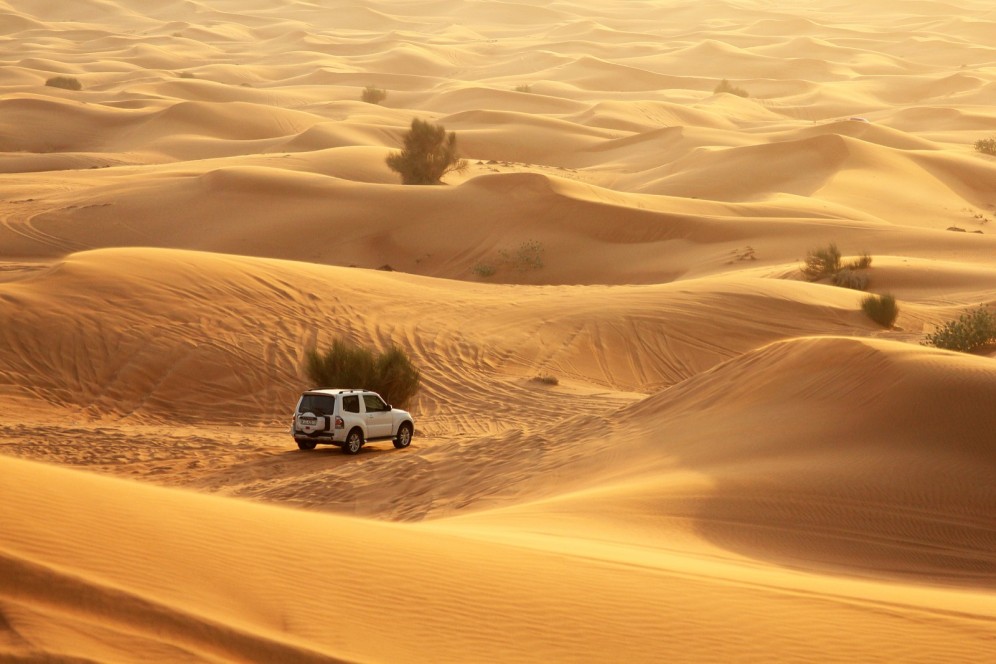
(726, 86)
(187, 74)
(527, 256)
(862, 262)
(396, 378)
(973, 329)
(484, 270)
(986, 146)
(850, 278)
(373, 95)
(825, 262)
(881, 308)
(523, 88)
(64, 82)
(745, 254)
(546, 379)
(391, 373)
(822, 262)
(428, 155)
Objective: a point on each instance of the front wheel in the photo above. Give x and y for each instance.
(354, 441)
(404, 438)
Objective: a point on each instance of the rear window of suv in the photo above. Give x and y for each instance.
(319, 404)
(351, 403)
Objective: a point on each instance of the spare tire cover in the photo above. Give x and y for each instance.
(309, 428)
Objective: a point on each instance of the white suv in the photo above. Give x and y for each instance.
(348, 418)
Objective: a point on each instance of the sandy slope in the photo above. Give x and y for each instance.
(735, 465)
(694, 529)
(163, 334)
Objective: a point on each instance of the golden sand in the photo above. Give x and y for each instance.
(735, 464)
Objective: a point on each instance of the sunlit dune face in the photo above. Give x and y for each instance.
(698, 295)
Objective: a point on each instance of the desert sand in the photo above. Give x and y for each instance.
(735, 464)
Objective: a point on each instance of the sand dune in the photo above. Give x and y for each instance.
(169, 299)
(542, 548)
(723, 461)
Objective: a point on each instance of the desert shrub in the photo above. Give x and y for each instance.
(373, 95)
(187, 74)
(523, 88)
(484, 270)
(726, 86)
(822, 262)
(851, 278)
(527, 256)
(396, 378)
(65, 82)
(972, 330)
(862, 262)
(428, 155)
(881, 308)
(391, 373)
(986, 146)
(745, 254)
(342, 365)
(546, 379)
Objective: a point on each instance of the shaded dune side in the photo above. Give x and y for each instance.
(871, 456)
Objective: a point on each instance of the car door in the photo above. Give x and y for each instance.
(378, 416)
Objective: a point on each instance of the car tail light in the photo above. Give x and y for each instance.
(339, 424)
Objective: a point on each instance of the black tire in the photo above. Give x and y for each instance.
(354, 441)
(404, 437)
(307, 444)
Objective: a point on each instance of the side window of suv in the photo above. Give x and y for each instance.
(351, 403)
(374, 403)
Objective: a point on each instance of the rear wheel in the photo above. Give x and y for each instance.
(354, 441)
(404, 438)
(306, 444)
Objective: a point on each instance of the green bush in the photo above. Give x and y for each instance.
(65, 82)
(428, 155)
(862, 262)
(972, 330)
(822, 262)
(484, 270)
(396, 378)
(373, 95)
(528, 256)
(726, 86)
(391, 374)
(881, 309)
(986, 146)
(850, 278)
